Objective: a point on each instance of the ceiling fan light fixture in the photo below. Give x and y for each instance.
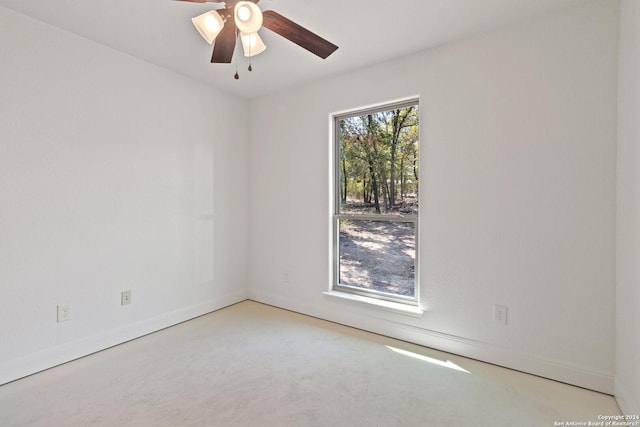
(247, 16)
(208, 25)
(252, 44)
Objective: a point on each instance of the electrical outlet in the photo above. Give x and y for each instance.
(500, 314)
(64, 313)
(125, 297)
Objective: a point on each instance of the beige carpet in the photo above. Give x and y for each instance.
(255, 365)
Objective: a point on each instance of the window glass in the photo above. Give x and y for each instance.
(376, 208)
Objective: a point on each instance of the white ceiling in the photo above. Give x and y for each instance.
(367, 32)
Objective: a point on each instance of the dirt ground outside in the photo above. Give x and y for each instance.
(378, 255)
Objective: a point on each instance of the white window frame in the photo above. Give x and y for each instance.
(352, 292)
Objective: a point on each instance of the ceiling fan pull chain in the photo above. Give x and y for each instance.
(235, 60)
(250, 68)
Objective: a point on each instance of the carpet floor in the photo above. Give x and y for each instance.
(256, 365)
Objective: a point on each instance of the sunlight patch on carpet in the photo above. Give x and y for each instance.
(448, 364)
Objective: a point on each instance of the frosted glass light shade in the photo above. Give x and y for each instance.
(248, 17)
(252, 44)
(208, 25)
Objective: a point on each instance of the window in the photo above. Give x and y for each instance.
(376, 202)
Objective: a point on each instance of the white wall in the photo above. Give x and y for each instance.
(518, 202)
(114, 174)
(627, 386)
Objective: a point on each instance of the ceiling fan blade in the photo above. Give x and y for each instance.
(297, 34)
(225, 44)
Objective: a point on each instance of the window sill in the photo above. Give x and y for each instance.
(395, 307)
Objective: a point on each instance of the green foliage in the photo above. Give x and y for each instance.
(379, 158)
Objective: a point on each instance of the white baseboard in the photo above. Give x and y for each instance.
(553, 369)
(558, 370)
(628, 403)
(35, 362)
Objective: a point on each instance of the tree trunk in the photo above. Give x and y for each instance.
(372, 171)
(364, 188)
(403, 190)
(415, 173)
(392, 164)
(345, 181)
(374, 185)
(381, 178)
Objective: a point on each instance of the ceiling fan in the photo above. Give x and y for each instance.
(244, 18)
